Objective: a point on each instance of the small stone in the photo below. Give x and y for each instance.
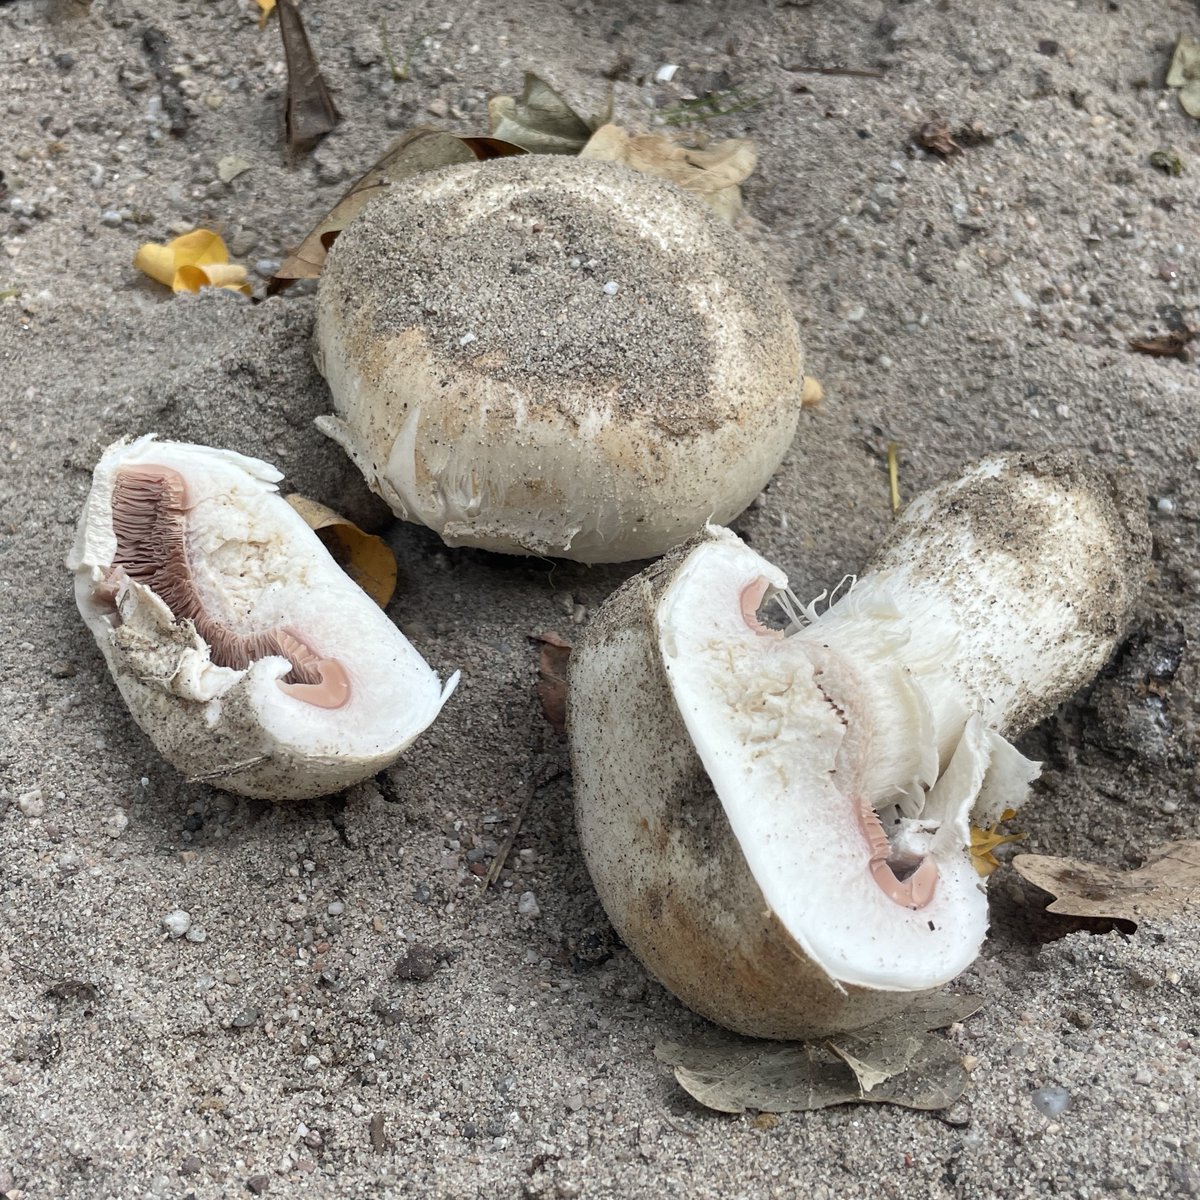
(611, 288)
(855, 313)
(32, 804)
(110, 217)
(116, 822)
(1166, 506)
(1051, 1101)
(312, 1063)
(197, 933)
(257, 1184)
(245, 1018)
(335, 909)
(230, 166)
(177, 923)
(266, 267)
(438, 108)
(666, 73)
(214, 100)
(190, 1166)
(527, 905)
(242, 242)
(62, 669)
(1143, 1077)
(575, 1101)
(64, 61)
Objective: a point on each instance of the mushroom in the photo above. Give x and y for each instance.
(542, 355)
(779, 826)
(241, 648)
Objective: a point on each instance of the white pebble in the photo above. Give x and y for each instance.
(612, 287)
(1166, 506)
(110, 217)
(32, 804)
(856, 312)
(336, 908)
(666, 73)
(466, 339)
(312, 1063)
(197, 933)
(527, 906)
(177, 923)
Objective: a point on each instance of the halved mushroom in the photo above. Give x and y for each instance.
(242, 649)
(779, 826)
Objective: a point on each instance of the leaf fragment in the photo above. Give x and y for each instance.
(418, 150)
(893, 1062)
(1166, 884)
(539, 120)
(553, 658)
(367, 559)
(713, 174)
(309, 112)
(265, 7)
(1173, 344)
(192, 261)
(985, 841)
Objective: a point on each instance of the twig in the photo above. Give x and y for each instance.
(856, 72)
(893, 460)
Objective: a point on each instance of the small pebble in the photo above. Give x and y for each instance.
(110, 217)
(1051, 1101)
(1143, 1077)
(177, 923)
(245, 1018)
(856, 312)
(438, 108)
(666, 73)
(266, 267)
(1166, 506)
(612, 287)
(197, 933)
(527, 906)
(32, 804)
(335, 909)
(312, 1063)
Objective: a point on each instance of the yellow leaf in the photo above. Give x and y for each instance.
(265, 8)
(985, 841)
(367, 559)
(190, 262)
(713, 174)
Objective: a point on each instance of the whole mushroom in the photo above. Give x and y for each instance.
(542, 355)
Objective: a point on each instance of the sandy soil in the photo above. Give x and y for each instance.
(956, 308)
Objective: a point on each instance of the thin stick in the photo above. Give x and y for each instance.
(857, 72)
(894, 474)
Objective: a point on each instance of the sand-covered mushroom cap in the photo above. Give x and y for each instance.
(541, 355)
(245, 653)
(779, 825)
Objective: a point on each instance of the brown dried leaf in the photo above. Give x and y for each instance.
(309, 113)
(894, 1062)
(1168, 883)
(367, 559)
(1166, 345)
(552, 678)
(418, 150)
(935, 137)
(713, 174)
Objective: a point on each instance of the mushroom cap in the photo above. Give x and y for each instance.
(244, 652)
(542, 355)
(779, 827)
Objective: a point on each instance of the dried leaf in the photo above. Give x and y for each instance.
(1167, 161)
(265, 9)
(1166, 345)
(1185, 62)
(310, 112)
(416, 151)
(539, 120)
(367, 559)
(192, 261)
(1168, 883)
(894, 1062)
(552, 678)
(812, 393)
(230, 166)
(713, 174)
(985, 841)
(935, 137)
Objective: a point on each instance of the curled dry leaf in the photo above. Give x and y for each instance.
(985, 841)
(192, 261)
(713, 174)
(416, 151)
(1173, 344)
(1184, 74)
(540, 120)
(265, 8)
(309, 113)
(894, 1062)
(367, 559)
(812, 393)
(553, 658)
(1168, 883)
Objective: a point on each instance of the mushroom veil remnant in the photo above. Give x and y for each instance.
(542, 355)
(242, 649)
(779, 826)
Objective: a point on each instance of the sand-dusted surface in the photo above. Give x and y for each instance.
(956, 308)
